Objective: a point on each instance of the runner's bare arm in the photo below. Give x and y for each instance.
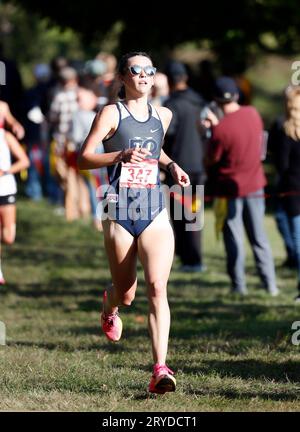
(104, 125)
(22, 161)
(10, 120)
(180, 177)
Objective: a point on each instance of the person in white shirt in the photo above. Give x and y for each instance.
(8, 187)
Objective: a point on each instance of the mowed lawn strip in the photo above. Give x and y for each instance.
(229, 353)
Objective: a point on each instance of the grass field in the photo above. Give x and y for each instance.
(229, 354)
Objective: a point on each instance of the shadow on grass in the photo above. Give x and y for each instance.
(57, 256)
(190, 319)
(68, 348)
(272, 333)
(286, 395)
(129, 333)
(283, 372)
(61, 287)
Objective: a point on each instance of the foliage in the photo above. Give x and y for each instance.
(28, 39)
(234, 28)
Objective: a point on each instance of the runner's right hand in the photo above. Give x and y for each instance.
(134, 155)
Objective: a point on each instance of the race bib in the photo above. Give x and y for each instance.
(139, 175)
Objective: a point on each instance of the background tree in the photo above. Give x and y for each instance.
(233, 28)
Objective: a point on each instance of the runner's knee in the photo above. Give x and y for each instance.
(9, 235)
(157, 288)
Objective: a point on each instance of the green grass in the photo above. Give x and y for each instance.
(229, 354)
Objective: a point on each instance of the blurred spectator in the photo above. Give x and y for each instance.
(234, 156)
(235, 68)
(56, 65)
(184, 145)
(110, 62)
(160, 89)
(37, 132)
(281, 216)
(63, 105)
(206, 80)
(9, 146)
(110, 83)
(95, 69)
(62, 109)
(88, 94)
(284, 143)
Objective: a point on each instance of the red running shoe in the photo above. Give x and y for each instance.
(111, 324)
(162, 380)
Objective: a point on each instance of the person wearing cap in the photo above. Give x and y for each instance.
(236, 171)
(184, 145)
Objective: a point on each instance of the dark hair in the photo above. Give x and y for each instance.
(122, 67)
(123, 62)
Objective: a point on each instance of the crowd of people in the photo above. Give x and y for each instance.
(96, 125)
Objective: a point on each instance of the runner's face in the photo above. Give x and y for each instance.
(141, 82)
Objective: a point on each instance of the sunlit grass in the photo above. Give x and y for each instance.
(228, 353)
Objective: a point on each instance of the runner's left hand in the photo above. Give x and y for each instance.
(18, 130)
(179, 175)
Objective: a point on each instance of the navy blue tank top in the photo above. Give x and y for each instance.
(132, 133)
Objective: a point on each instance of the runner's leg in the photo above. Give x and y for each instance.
(121, 250)
(8, 223)
(156, 251)
(7, 229)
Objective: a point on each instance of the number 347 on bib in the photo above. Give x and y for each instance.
(139, 175)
